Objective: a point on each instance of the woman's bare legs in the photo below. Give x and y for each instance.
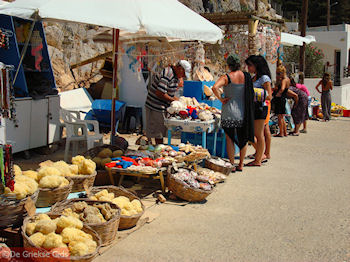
(304, 130)
(260, 142)
(242, 154)
(267, 135)
(284, 125)
(230, 147)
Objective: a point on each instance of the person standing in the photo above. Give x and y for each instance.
(307, 92)
(160, 94)
(237, 117)
(279, 99)
(326, 99)
(299, 111)
(262, 93)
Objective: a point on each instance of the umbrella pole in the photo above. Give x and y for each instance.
(115, 80)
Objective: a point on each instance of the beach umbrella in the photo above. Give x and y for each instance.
(159, 18)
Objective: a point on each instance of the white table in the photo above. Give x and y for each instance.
(191, 126)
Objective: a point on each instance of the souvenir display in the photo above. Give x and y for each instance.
(7, 93)
(192, 179)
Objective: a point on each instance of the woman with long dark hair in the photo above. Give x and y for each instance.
(258, 66)
(326, 99)
(237, 117)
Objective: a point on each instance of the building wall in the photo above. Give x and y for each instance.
(340, 94)
(330, 41)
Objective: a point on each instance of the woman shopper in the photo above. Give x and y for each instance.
(279, 99)
(237, 117)
(258, 66)
(326, 99)
(299, 110)
(307, 92)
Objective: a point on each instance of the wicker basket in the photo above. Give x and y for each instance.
(186, 192)
(125, 221)
(27, 243)
(47, 196)
(107, 230)
(13, 212)
(81, 180)
(225, 170)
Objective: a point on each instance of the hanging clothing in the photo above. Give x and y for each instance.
(245, 132)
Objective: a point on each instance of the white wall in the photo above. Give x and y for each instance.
(340, 94)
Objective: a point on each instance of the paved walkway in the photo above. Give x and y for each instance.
(296, 208)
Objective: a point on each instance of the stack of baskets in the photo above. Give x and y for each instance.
(107, 231)
(218, 168)
(28, 244)
(125, 221)
(48, 196)
(13, 212)
(186, 192)
(83, 182)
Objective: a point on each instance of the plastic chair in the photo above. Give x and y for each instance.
(136, 112)
(77, 130)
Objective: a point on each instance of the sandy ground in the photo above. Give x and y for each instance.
(295, 208)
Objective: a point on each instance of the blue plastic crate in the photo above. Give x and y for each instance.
(195, 89)
(102, 109)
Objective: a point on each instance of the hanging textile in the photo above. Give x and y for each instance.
(7, 93)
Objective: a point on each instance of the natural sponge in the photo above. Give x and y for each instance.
(30, 228)
(38, 239)
(106, 152)
(17, 170)
(70, 234)
(53, 181)
(45, 226)
(48, 171)
(87, 167)
(77, 160)
(30, 173)
(53, 240)
(64, 222)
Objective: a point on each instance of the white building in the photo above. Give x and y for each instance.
(335, 44)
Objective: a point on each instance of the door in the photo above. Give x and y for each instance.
(337, 61)
(38, 126)
(54, 123)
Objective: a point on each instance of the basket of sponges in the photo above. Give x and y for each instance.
(131, 206)
(101, 216)
(16, 203)
(59, 238)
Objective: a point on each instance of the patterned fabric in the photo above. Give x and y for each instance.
(259, 84)
(299, 111)
(167, 83)
(233, 111)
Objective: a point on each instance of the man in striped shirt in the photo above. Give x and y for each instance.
(160, 95)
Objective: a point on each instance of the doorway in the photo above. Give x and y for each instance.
(337, 70)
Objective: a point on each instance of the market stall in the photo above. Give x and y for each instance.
(80, 227)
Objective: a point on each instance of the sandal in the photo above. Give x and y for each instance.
(264, 161)
(238, 169)
(252, 156)
(294, 134)
(277, 135)
(303, 131)
(253, 164)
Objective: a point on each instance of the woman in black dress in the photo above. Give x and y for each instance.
(279, 99)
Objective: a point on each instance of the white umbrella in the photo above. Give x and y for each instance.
(291, 40)
(164, 18)
(160, 18)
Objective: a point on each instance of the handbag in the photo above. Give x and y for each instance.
(259, 94)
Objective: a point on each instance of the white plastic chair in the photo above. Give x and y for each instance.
(77, 130)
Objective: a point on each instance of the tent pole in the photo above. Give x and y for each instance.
(115, 80)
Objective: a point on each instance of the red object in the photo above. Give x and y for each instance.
(346, 113)
(315, 111)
